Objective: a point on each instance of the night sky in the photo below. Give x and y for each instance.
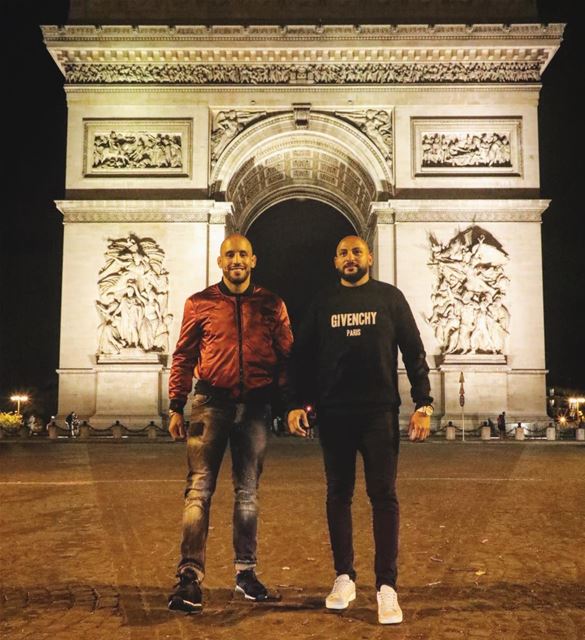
(31, 228)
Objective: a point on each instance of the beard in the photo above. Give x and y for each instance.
(230, 274)
(359, 273)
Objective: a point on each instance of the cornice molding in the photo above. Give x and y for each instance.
(459, 210)
(144, 211)
(285, 33)
(73, 90)
(302, 54)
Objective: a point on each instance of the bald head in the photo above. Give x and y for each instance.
(236, 260)
(235, 239)
(353, 260)
(353, 240)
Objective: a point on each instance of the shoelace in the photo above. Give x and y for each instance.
(340, 584)
(389, 598)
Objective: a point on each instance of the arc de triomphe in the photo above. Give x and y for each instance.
(425, 137)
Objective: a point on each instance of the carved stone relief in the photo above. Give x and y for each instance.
(469, 312)
(314, 73)
(305, 163)
(376, 124)
(226, 125)
(452, 146)
(137, 147)
(133, 296)
(469, 150)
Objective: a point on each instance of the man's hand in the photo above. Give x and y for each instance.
(419, 426)
(298, 423)
(177, 426)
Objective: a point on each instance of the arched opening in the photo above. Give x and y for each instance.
(295, 243)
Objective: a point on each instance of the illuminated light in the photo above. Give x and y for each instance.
(309, 408)
(562, 419)
(18, 399)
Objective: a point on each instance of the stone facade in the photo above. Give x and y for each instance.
(424, 137)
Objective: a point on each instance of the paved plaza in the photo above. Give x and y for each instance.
(491, 544)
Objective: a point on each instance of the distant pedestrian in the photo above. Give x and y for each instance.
(72, 424)
(502, 425)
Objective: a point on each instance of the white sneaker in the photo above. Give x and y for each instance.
(342, 594)
(389, 611)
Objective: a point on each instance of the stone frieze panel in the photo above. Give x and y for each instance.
(470, 315)
(435, 72)
(148, 147)
(464, 146)
(133, 290)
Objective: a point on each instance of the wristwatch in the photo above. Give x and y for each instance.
(427, 409)
(172, 412)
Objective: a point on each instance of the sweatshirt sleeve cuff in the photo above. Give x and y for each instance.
(428, 400)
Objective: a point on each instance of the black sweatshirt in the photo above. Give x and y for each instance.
(348, 342)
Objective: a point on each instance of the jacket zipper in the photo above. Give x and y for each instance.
(240, 343)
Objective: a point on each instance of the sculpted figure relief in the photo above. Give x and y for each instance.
(376, 124)
(314, 73)
(227, 125)
(137, 150)
(133, 287)
(469, 315)
(466, 150)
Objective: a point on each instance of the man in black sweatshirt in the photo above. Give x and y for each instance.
(350, 338)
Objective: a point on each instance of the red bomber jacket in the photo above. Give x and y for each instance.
(239, 342)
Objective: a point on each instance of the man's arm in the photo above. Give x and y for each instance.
(283, 342)
(413, 354)
(181, 376)
(417, 369)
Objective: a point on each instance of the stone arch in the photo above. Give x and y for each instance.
(322, 158)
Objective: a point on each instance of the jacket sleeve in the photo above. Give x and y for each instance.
(283, 341)
(413, 354)
(184, 358)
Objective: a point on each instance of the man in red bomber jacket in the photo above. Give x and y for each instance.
(235, 339)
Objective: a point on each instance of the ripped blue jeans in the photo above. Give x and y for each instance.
(213, 424)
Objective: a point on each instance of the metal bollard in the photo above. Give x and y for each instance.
(117, 431)
(486, 433)
(580, 434)
(84, 431)
(551, 433)
(450, 433)
(53, 431)
(519, 433)
(152, 432)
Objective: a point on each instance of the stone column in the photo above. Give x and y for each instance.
(384, 242)
(216, 232)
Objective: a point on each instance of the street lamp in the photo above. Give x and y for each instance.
(18, 400)
(576, 402)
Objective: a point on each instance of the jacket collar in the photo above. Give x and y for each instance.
(223, 288)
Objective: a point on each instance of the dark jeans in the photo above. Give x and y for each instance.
(212, 426)
(376, 437)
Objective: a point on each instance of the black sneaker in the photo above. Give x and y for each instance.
(187, 593)
(248, 584)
